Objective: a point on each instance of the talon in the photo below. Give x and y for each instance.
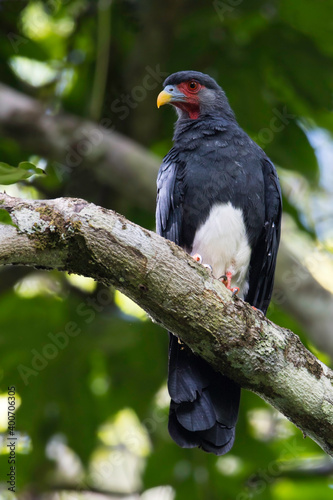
(226, 280)
(197, 257)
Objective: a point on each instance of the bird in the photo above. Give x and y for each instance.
(219, 198)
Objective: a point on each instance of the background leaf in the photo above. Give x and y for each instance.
(5, 218)
(11, 175)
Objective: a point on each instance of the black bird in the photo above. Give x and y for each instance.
(218, 197)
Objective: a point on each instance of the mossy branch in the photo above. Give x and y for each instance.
(96, 151)
(75, 236)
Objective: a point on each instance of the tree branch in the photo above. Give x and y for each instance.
(121, 164)
(73, 235)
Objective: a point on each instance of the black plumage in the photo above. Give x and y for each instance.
(213, 163)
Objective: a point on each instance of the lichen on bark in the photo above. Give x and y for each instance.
(76, 236)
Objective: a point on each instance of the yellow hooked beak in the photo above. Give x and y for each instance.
(163, 98)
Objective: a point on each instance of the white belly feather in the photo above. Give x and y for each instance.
(222, 242)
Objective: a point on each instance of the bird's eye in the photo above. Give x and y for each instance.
(193, 86)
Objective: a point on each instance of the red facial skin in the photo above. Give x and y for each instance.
(192, 104)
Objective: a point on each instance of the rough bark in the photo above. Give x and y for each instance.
(121, 164)
(73, 235)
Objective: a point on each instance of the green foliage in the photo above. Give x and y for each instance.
(274, 60)
(5, 218)
(11, 175)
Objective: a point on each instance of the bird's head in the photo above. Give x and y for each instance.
(194, 94)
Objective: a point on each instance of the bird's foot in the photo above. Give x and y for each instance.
(197, 257)
(226, 280)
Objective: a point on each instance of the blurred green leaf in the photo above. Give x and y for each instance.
(11, 175)
(5, 218)
(302, 159)
(310, 18)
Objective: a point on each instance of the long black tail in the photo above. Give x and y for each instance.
(204, 404)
